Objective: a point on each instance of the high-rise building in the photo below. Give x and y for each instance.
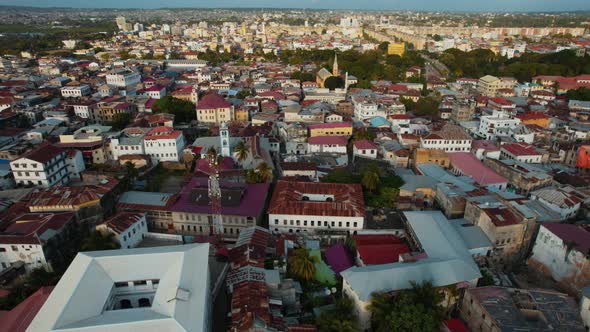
(121, 22)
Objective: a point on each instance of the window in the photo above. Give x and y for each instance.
(14, 248)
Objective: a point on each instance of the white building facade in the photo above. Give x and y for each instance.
(75, 91)
(164, 144)
(45, 167)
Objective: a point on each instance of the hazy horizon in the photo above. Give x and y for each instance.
(418, 5)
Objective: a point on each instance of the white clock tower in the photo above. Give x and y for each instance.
(224, 137)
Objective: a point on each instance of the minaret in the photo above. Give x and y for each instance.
(224, 140)
(335, 71)
(346, 82)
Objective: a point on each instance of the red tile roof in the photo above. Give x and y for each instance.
(569, 232)
(470, 166)
(43, 153)
(379, 249)
(122, 221)
(19, 318)
(27, 228)
(330, 125)
(162, 132)
(520, 149)
(532, 116)
(325, 140)
(501, 216)
(364, 144)
(212, 101)
(288, 199)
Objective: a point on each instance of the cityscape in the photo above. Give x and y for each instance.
(294, 166)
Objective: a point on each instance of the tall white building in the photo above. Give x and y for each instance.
(148, 290)
(489, 125)
(129, 141)
(123, 78)
(45, 166)
(224, 140)
(164, 144)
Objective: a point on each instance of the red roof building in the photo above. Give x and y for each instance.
(376, 249)
(19, 318)
(212, 101)
(311, 207)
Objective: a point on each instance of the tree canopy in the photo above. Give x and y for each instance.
(415, 309)
(302, 264)
(334, 82)
(120, 120)
(99, 241)
(381, 189)
(183, 110)
(340, 318)
(480, 62)
(579, 94)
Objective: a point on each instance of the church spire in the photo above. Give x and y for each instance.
(335, 71)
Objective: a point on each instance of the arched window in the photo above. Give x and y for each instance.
(305, 198)
(329, 199)
(126, 304)
(144, 302)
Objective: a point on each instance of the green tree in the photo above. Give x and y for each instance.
(339, 175)
(264, 171)
(341, 318)
(301, 264)
(334, 82)
(371, 179)
(363, 134)
(241, 151)
(242, 94)
(486, 279)
(381, 306)
(120, 120)
(106, 57)
(131, 170)
(99, 241)
(183, 110)
(582, 93)
(303, 77)
(415, 309)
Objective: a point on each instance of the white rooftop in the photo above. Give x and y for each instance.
(449, 261)
(90, 295)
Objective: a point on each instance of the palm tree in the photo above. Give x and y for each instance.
(241, 151)
(370, 180)
(265, 172)
(302, 264)
(380, 306)
(99, 241)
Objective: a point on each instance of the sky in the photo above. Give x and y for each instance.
(426, 5)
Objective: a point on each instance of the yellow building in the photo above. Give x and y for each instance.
(439, 157)
(330, 129)
(396, 49)
(241, 115)
(489, 85)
